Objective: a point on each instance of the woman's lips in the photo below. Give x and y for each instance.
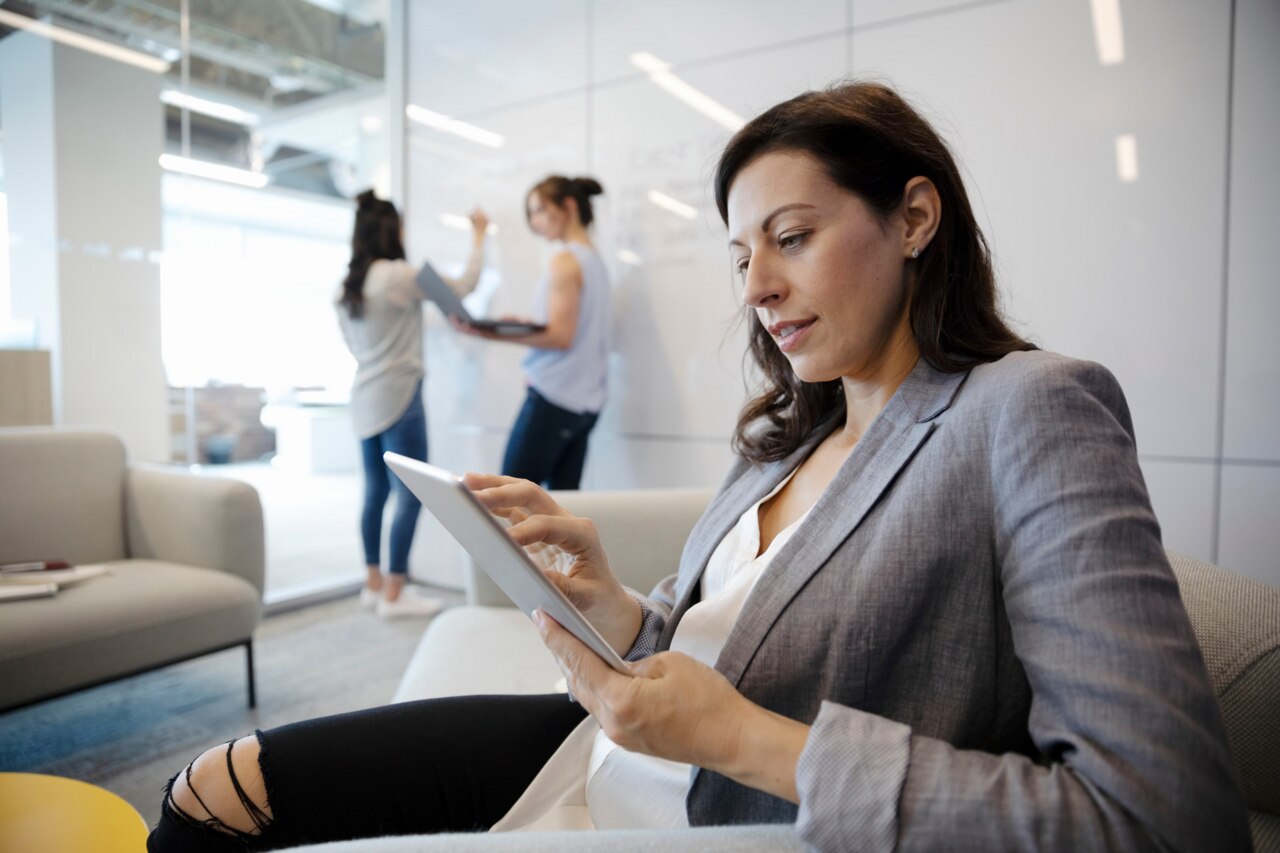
(790, 335)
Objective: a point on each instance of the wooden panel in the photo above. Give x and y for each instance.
(26, 397)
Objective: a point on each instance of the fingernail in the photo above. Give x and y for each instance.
(537, 618)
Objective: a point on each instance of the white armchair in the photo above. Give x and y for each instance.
(185, 556)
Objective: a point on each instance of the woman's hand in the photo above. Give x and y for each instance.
(464, 328)
(539, 524)
(479, 224)
(677, 708)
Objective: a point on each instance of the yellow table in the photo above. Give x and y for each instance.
(49, 814)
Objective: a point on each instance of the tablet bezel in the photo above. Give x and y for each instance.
(448, 499)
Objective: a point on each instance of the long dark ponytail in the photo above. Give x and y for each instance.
(376, 236)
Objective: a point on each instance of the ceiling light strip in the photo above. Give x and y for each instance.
(660, 74)
(438, 121)
(1127, 157)
(204, 106)
(213, 171)
(83, 42)
(1108, 34)
(671, 205)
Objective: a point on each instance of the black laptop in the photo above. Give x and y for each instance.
(439, 292)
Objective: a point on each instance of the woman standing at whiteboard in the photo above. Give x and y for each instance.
(380, 312)
(567, 366)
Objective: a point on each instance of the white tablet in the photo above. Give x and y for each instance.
(446, 497)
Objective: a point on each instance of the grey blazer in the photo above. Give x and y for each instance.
(979, 622)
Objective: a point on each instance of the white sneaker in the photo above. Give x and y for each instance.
(369, 598)
(410, 603)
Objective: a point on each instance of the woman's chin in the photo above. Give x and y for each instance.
(806, 371)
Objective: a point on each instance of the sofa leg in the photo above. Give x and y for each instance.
(248, 656)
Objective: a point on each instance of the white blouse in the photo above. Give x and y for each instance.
(591, 782)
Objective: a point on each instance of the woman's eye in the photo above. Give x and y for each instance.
(740, 267)
(792, 241)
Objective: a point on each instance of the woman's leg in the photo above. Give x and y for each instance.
(439, 765)
(408, 437)
(566, 472)
(376, 489)
(524, 456)
(539, 438)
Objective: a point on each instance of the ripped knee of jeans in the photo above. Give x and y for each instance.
(211, 793)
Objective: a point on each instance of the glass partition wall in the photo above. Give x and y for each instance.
(178, 176)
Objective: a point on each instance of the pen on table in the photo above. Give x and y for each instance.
(34, 566)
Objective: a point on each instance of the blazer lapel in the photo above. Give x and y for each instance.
(743, 491)
(880, 455)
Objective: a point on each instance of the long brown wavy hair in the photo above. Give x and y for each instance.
(376, 236)
(870, 142)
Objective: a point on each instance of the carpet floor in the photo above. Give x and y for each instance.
(132, 735)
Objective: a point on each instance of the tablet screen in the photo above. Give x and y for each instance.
(444, 495)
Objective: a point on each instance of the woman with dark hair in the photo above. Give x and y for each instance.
(928, 608)
(566, 369)
(380, 313)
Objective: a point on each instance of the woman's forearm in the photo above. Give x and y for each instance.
(768, 747)
(465, 283)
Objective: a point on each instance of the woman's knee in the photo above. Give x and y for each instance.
(224, 789)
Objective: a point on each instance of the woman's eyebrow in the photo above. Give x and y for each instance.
(764, 226)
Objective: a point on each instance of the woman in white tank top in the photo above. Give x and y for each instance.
(567, 365)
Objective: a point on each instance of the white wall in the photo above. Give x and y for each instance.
(82, 138)
(1165, 279)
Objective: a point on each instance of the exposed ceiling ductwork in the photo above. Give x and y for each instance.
(265, 58)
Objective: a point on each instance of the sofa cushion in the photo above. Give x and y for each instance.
(63, 496)
(113, 625)
(502, 640)
(1237, 622)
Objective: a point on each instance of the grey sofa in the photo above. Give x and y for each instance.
(185, 556)
(488, 646)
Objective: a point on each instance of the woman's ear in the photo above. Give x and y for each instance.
(570, 206)
(921, 213)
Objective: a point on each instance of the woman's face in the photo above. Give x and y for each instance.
(547, 219)
(824, 273)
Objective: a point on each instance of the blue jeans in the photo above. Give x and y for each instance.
(548, 444)
(408, 437)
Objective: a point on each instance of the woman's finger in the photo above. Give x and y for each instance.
(496, 492)
(569, 533)
(586, 674)
(475, 480)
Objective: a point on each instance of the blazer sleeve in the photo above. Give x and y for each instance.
(655, 608)
(1132, 750)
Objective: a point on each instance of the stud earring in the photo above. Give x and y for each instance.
(915, 252)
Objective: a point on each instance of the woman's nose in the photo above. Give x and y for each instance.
(762, 285)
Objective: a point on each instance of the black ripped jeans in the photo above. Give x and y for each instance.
(438, 765)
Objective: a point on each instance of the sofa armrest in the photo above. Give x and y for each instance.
(643, 531)
(210, 522)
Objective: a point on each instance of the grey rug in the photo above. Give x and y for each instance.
(131, 736)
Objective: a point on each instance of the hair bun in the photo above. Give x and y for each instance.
(588, 186)
(366, 199)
